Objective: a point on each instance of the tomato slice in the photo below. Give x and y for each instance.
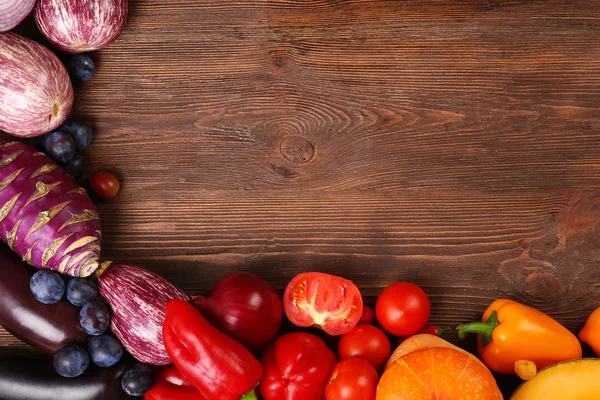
(325, 301)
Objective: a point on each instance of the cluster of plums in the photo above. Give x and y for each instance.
(103, 348)
(64, 145)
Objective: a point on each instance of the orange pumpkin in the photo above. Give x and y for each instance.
(421, 342)
(435, 374)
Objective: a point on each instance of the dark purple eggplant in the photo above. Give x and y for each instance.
(45, 327)
(23, 378)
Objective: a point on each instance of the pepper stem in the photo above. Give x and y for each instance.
(485, 329)
(251, 395)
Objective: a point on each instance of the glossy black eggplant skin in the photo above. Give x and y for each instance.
(44, 327)
(31, 379)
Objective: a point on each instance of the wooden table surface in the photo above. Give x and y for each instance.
(454, 144)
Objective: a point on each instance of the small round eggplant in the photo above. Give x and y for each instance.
(45, 327)
(23, 378)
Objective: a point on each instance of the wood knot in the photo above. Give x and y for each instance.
(279, 59)
(543, 286)
(284, 171)
(297, 149)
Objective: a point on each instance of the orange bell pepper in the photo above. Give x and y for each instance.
(590, 334)
(511, 332)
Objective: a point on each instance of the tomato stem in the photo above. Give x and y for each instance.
(442, 331)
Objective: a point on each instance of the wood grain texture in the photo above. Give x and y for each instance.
(453, 144)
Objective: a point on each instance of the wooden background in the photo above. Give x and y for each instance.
(455, 144)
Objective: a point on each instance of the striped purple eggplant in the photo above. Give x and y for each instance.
(45, 217)
(77, 26)
(137, 298)
(13, 12)
(36, 95)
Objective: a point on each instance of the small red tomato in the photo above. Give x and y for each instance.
(368, 316)
(403, 309)
(105, 184)
(367, 342)
(324, 301)
(434, 330)
(352, 379)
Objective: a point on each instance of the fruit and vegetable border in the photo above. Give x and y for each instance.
(116, 330)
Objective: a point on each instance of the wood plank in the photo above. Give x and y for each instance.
(453, 144)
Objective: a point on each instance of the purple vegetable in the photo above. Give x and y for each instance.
(45, 217)
(137, 298)
(36, 95)
(12, 12)
(45, 327)
(77, 26)
(24, 378)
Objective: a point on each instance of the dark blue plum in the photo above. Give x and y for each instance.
(47, 287)
(60, 146)
(81, 68)
(81, 291)
(75, 167)
(94, 317)
(81, 132)
(105, 350)
(137, 380)
(71, 361)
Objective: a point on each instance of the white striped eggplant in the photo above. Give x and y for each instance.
(23, 378)
(45, 217)
(13, 12)
(137, 298)
(47, 327)
(36, 94)
(77, 26)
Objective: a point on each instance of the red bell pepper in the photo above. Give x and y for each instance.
(172, 375)
(218, 366)
(170, 384)
(297, 367)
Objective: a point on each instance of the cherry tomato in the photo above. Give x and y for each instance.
(368, 316)
(403, 309)
(352, 379)
(434, 330)
(324, 301)
(367, 342)
(429, 330)
(105, 184)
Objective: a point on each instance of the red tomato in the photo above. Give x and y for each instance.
(325, 301)
(352, 379)
(105, 184)
(368, 316)
(434, 330)
(403, 309)
(366, 342)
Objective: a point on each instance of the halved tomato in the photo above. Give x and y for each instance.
(324, 301)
